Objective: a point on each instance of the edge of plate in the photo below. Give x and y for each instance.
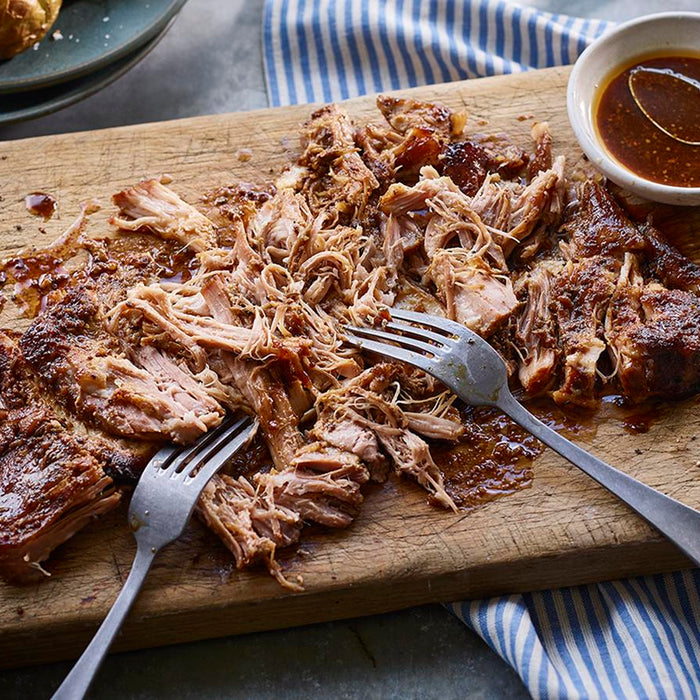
(112, 56)
(54, 105)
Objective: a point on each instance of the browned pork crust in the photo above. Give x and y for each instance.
(52, 478)
(69, 348)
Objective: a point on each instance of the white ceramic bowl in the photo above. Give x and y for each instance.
(667, 32)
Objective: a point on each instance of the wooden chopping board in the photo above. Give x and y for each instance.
(400, 551)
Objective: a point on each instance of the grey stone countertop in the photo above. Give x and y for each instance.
(211, 62)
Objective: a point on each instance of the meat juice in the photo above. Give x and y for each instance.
(495, 456)
(41, 204)
(492, 459)
(34, 277)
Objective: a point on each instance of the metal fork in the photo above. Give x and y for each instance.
(472, 369)
(160, 508)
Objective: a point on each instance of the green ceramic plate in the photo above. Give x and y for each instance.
(96, 33)
(36, 103)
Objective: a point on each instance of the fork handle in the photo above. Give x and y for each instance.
(676, 521)
(78, 681)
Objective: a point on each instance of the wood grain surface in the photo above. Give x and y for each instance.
(400, 551)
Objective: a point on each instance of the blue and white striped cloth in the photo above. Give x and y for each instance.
(638, 638)
(327, 50)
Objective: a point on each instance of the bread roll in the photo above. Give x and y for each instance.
(24, 22)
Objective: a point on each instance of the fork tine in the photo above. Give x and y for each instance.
(420, 332)
(218, 442)
(413, 358)
(434, 322)
(401, 340)
(164, 455)
(183, 455)
(222, 451)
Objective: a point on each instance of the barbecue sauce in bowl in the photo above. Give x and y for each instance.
(648, 118)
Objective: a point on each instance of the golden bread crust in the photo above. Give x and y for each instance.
(24, 22)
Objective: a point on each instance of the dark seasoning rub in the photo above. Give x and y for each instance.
(150, 331)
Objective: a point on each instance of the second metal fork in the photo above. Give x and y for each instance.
(472, 369)
(160, 508)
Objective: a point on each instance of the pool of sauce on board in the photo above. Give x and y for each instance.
(631, 136)
(41, 204)
(33, 277)
(37, 275)
(495, 456)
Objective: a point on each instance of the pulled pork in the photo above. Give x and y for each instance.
(412, 211)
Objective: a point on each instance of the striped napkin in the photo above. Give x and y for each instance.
(638, 638)
(328, 50)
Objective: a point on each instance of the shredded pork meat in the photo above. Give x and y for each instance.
(152, 205)
(536, 331)
(416, 211)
